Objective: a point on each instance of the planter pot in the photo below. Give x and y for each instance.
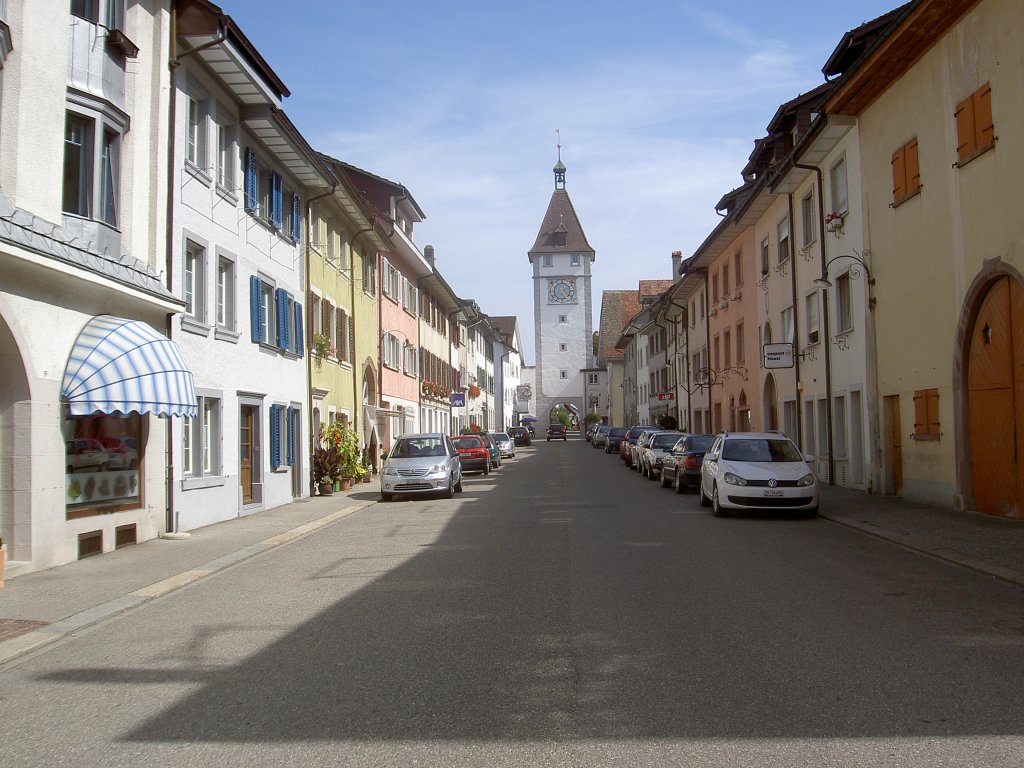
(325, 489)
(366, 477)
(346, 484)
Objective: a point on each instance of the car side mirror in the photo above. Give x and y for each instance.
(808, 458)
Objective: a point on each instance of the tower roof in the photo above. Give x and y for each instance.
(560, 231)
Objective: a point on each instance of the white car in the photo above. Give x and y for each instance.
(505, 443)
(757, 471)
(657, 447)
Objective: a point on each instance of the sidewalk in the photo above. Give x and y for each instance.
(39, 608)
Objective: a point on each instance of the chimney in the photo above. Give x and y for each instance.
(428, 254)
(677, 259)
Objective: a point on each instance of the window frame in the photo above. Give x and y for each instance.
(99, 167)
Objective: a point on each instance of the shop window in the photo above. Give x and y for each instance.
(103, 456)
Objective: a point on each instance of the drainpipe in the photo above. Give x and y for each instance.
(827, 340)
(171, 522)
(356, 390)
(309, 306)
(686, 364)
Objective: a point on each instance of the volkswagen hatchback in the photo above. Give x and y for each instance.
(754, 471)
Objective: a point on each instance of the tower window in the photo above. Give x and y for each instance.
(547, 260)
(563, 347)
(563, 318)
(563, 374)
(574, 260)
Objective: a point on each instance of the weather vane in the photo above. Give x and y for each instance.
(558, 133)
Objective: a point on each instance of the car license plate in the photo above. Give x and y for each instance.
(774, 492)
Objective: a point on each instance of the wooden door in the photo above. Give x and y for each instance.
(995, 387)
(246, 435)
(893, 447)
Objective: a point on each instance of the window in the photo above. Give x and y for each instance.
(844, 308)
(392, 280)
(547, 260)
(275, 317)
(975, 131)
(225, 293)
(906, 173)
(194, 282)
(592, 378)
(782, 230)
(563, 374)
(725, 281)
(727, 347)
(574, 260)
(764, 257)
(225, 162)
(739, 344)
(737, 261)
(411, 297)
(837, 179)
(823, 426)
(563, 318)
(197, 106)
(392, 351)
(926, 414)
(265, 198)
(703, 307)
(812, 317)
(283, 436)
(370, 276)
(92, 165)
(788, 327)
(201, 439)
(839, 426)
(714, 288)
(717, 358)
(112, 12)
(807, 219)
(344, 334)
(563, 347)
(102, 458)
(411, 359)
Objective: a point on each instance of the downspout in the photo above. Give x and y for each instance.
(796, 358)
(356, 389)
(309, 306)
(686, 364)
(171, 522)
(827, 341)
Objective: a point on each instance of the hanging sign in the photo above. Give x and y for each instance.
(777, 355)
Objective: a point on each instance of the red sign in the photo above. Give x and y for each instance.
(666, 395)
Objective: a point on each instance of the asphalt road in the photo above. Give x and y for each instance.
(563, 611)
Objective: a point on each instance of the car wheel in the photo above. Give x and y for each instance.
(663, 478)
(458, 485)
(385, 496)
(716, 505)
(680, 485)
(487, 467)
(651, 474)
(704, 500)
(450, 490)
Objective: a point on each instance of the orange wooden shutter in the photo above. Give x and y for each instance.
(932, 400)
(984, 129)
(920, 412)
(964, 114)
(899, 174)
(913, 170)
(325, 318)
(340, 343)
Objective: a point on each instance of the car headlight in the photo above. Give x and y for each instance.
(806, 480)
(390, 471)
(732, 479)
(437, 468)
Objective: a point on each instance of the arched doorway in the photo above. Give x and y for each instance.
(743, 413)
(995, 399)
(771, 405)
(15, 421)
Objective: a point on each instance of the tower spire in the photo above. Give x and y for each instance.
(559, 167)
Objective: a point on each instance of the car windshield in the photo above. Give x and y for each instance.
(501, 437)
(414, 447)
(616, 432)
(698, 443)
(468, 442)
(664, 441)
(761, 450)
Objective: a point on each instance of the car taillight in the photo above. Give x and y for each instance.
(690, 462)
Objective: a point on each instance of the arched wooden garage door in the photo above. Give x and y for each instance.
(995, 382)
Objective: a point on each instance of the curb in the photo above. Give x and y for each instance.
(17, 646)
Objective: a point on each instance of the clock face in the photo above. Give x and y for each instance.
(562, 291)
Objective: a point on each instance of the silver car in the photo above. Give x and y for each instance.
(425, 463)
(505, 443)
(659, 444)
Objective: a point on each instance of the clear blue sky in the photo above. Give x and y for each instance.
(658, 104)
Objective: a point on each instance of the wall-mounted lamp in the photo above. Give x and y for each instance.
(824, 282)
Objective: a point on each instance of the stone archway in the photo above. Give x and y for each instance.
(15, 448)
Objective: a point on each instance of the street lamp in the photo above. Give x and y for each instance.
(824, 282)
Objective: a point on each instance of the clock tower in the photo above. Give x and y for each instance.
(562, 262)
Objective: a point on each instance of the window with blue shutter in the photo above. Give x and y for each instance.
(275, 436)
(277, 200)
(282, 318)
(292, 424)
(296, 217)
(255, 308)
(251, 186)
(300, 343)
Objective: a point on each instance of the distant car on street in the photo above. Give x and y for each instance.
(654, 452)
(681, 467)
(614, 439)
(600, 436)
(474, 455)
(520, 435)
(556, 432)
(505, 444)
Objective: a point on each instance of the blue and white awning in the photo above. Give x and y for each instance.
(120, 366)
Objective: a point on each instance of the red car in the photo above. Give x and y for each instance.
(473, 453)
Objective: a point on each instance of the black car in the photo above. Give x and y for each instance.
(614, 439)
(520, 435)
(557, 431)
(681, 466)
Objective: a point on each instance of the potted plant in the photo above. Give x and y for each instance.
(346, 441)
(327, 465)
(322, 348)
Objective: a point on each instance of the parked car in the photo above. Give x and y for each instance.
(492, 447)
(520, 435)
(757, 470)
(637, 448)
(423, 463)
(654, 451)
(600, 438)
(629, 440)
(474, 455)
(591, 429)
(505, 444)
(85, 455)
(557, 431)
(614, 439)
(681, 466)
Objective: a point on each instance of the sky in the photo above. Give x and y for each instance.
(657, 105)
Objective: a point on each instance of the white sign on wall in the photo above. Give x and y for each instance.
(777, 355)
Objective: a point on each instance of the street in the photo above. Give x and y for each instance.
(561, 611)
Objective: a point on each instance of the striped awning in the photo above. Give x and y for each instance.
(119, 366)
